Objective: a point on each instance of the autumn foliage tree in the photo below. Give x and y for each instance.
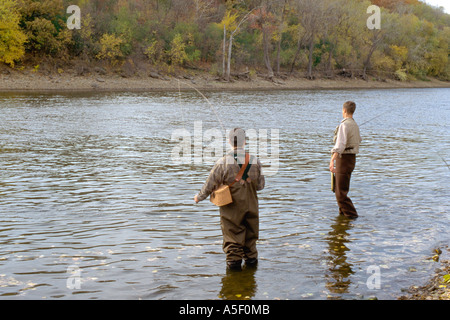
(44, 25)
(310, 38)
(12, 38)
(263, 20)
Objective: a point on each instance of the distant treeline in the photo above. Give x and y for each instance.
(271, 37)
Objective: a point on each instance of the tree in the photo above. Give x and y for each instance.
(312, 18)
(177, 53)
(204, 11)
(335, 31)
(378, 38)
(309, 35)
(229, 24)
(438, 57)
(282, 26)
(45, 27)
(372, 42)
(263, 19)
(233, 27)
(110, 49)
(12, 39)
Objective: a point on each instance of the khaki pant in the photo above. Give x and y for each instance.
(240, 223)
(344, 168)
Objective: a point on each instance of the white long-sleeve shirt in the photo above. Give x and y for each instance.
(348, 137)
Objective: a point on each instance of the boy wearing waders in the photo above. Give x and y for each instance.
(239, 220)
(347, 140)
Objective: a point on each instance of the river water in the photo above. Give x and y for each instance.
(94, 206)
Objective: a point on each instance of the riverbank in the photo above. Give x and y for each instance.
(436, 288)
(102, 81)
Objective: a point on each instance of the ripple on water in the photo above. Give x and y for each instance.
(88, 185)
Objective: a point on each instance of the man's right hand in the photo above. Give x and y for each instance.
(333, 157)
(332, 166)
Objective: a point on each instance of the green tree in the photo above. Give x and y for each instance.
(44, 24)
(211, 40)
(125, 26)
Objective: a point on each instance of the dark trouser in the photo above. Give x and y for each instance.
(240, 224)
(344, 169)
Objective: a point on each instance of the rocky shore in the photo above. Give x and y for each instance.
(437, 287)
(100, 80)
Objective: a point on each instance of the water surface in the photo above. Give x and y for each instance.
(88, 185)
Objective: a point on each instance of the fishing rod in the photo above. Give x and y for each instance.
(448, 166)
(443, 160)
(179, 101)
(370, 120)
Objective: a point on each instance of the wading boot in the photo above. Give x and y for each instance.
(251, 263)
(234, 265)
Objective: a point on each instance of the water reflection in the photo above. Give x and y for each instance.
(338, 280)
(238, 285)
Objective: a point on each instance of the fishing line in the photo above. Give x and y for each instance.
(370, 120)
(181, 105)
(210, 104)
(448, 166)
(443, 159)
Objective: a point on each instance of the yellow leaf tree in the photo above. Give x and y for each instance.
(110, 48)
(231, 25)
(12, 39)
(228, 24)
(177, 53)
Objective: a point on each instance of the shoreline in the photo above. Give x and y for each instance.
(35, 82)
(437, 287)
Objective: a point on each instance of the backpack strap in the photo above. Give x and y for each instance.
(245, 175)
(243, 169)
